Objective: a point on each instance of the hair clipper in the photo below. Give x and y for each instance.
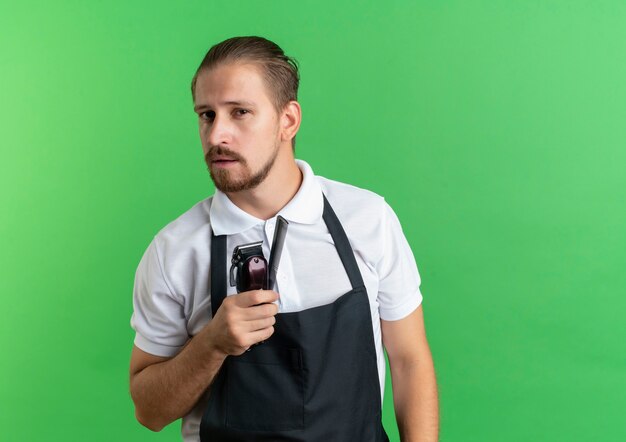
(250, 270)
(250, 266)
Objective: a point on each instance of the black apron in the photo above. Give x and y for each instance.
(314, 379)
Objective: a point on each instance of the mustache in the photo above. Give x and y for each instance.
(222, 151)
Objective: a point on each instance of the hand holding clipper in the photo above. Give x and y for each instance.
(252, 269)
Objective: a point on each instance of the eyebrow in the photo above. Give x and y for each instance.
(199, 106)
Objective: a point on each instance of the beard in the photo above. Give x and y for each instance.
(225, 179)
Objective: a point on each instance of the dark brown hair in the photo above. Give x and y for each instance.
(280, 72)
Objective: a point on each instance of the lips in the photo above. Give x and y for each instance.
(222, 157)
(223, 163)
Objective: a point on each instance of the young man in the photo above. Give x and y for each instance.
(347, 285)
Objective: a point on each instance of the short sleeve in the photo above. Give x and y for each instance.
(158, 315)
(399, 280)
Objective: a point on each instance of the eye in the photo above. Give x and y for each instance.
(241, 112)
(208, 115)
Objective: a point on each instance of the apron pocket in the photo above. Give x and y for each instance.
(265, 390)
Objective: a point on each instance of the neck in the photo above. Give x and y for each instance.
(278, 188)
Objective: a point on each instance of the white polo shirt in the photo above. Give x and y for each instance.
(171, 296)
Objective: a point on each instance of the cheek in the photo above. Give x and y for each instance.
(202, 130)
(204, 137)
(248, 133)
(265, 129)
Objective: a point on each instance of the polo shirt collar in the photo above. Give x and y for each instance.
(306, 207)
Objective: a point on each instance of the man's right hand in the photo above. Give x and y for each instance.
(241, 321)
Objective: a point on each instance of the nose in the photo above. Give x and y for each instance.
(220, 132)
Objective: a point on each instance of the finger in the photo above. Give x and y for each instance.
(259, 312)
(261, 335)
(260, 324)
(255, 297)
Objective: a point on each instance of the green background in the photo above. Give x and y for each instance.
(495, 129)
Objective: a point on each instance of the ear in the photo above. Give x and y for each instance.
(290, 120)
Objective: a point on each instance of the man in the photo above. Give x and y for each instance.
(347, 285)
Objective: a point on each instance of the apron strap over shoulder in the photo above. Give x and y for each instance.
(343, 245)
(218, 270)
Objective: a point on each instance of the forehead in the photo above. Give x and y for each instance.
(231, 82)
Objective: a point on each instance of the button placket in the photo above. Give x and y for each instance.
(270, 224)
(288, 294)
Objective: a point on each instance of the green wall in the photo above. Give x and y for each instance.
(496, 130)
